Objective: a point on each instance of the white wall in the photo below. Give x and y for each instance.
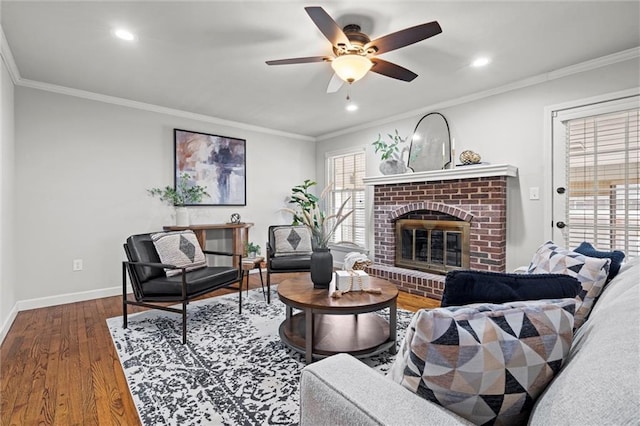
(7, 269)
(505, 129)
(82, 170)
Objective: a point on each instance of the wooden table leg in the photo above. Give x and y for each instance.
(308, 336)
(201, 236)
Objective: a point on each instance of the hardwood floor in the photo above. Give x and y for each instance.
(58, 365)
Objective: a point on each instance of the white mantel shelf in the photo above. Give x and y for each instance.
(460, 172)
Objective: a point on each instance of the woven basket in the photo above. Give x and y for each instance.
(361, 265)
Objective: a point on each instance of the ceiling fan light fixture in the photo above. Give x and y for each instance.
(351, 68)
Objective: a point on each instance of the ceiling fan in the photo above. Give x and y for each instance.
(355, 54)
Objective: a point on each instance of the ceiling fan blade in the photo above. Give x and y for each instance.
(328, 26)
(300, 60)
(335, 84)
(404, 37)
(389, 69)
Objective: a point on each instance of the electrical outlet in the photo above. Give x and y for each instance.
(534, 193)
(77, 264)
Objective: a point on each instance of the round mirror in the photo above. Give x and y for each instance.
(430, 144)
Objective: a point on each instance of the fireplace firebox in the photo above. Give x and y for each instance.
(435, 246)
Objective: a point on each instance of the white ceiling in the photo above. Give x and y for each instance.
(208, 57)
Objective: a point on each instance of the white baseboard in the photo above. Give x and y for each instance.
(44, 302)
(7, 324)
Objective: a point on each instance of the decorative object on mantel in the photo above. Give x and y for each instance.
(469, 157)
(322, 227)
(179, 196)
(431, 147)
(392, 157)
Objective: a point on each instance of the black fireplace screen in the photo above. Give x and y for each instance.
(432, 245)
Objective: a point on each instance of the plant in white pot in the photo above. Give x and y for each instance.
(179, 196)
(252, 250)
(391, 154)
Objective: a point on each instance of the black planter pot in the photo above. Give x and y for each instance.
(321, 268)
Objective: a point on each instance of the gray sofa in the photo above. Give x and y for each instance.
(599, 383)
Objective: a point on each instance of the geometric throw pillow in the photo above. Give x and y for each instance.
(179, 248)
(590, 271)
(292, 240)
(485, 362)
(616, 257)
(462, 287)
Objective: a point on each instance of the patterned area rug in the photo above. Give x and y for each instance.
(234, 370)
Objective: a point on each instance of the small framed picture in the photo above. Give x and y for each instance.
(215, 162)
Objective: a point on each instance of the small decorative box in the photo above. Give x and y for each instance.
(351, 280)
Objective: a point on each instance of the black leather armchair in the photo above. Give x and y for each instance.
(278, 263)
(151, 286)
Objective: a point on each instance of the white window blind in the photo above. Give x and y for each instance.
(346, 172)
(603, 158)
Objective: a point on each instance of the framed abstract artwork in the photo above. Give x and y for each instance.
(217, 163)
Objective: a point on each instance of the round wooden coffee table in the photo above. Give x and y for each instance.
(327, 326)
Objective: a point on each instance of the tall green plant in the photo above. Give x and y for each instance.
(304, 200)
(183, 194)
(321, 225)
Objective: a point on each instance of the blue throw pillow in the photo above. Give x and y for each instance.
(616, 256)
(462, 287)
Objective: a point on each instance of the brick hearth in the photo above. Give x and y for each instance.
(479, 200)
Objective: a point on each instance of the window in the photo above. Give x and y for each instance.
(603, 159)
(346, 172)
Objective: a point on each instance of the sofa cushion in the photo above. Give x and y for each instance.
(179, 248)
(616, 257)
(486, 362)
(590, 271)
(463, 287)
(292, 240)
(198, 281)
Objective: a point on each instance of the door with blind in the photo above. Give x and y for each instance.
(596, 175)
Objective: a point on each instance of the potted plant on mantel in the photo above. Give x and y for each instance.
(178, 197)
(392, 161)
(322, 227)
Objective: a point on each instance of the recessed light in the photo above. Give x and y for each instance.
(351, 107)
(480, 62)
(123, 34)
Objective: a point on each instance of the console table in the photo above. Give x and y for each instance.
(239, 235)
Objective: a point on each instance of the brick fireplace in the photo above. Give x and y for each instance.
(476, 195)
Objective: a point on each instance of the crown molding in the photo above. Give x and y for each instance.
(7, 58)
(603, 61)
(158, 109)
